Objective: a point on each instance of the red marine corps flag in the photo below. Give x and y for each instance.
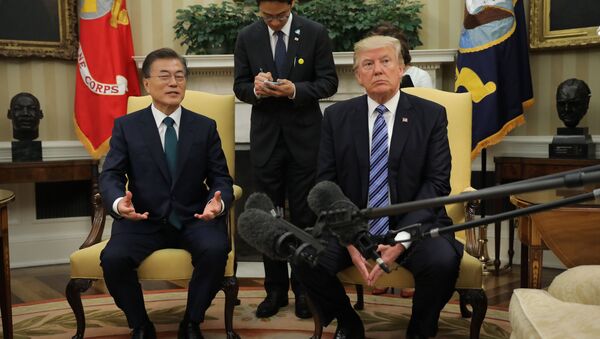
(106, 73)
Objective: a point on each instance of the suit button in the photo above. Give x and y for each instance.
(164, 221)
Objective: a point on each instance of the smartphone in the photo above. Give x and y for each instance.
(273, 83)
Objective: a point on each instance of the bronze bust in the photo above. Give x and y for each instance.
(25, 114)
(572, 101)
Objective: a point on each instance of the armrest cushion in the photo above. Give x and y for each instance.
(578, 285)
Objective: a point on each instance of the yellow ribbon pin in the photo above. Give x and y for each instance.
(301, 61)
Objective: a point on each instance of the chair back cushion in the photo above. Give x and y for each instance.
(458, 109)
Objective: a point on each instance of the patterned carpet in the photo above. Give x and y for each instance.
(384, 317)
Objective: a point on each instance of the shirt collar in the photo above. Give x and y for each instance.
(391, 104)
(160, 116)
(285, 29)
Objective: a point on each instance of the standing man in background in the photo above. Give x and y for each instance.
(283, 66)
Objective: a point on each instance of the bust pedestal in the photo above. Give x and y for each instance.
(30, 150)
(572, 143)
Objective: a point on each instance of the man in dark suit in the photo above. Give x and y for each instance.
(165, 181)
(283, 66)
(374, 170)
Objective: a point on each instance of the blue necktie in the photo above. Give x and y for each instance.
(171, 155)
(378, 173)
(280, 55)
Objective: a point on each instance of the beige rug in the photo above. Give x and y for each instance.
(384, 317)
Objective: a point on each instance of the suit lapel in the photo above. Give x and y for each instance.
(293, 42)
(150, 133)
(361, 142)
(184, 143)
(263, 43)
(405, 115)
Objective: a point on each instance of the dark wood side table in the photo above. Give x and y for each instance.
(5, 303)
(40, 171)
(51, 171)
(512, 168)
(571, 232)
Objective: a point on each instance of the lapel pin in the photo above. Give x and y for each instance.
(301, 61)
(297, 31)
(404, 119)
(296, 39)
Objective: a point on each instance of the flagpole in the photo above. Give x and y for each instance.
(482, 251)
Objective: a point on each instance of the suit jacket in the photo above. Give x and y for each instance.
(309, 66)
(136, 159)
(419, 156)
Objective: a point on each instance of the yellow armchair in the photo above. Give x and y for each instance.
(165, 264)
(470, 281)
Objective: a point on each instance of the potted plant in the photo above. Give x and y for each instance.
(211, 29)
(349, 20)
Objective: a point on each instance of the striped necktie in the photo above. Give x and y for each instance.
(378, 173)
(171, 156)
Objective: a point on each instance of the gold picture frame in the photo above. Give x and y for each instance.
(574, 32)
(61, 43)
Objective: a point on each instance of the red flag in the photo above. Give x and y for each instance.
(107, 74)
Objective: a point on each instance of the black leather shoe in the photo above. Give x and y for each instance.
(189, 330)
(145, 331)
(270, 306)
(301, 307)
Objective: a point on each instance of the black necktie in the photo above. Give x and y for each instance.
(171, 155)
(280, 54)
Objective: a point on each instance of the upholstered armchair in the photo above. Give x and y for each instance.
(570, 308)
(470, 280)
(165, 264)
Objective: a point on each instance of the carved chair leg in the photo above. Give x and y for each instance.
(73, 292)
(478, 301)
(318, 332)
(464, 311)
(231, 288)
(360, 298)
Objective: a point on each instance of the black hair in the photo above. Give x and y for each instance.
(388, 29)
(162, 53)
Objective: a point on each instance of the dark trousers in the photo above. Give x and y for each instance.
(280, 178)
(434, 263)
(206, 242)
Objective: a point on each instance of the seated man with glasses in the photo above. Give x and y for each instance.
(166, 183)
(283, 66)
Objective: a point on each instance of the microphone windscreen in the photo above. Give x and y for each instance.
(327, 195)
(260, 230)
(259, 201)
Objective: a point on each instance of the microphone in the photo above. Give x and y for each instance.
(342, 218)
(261, 202)
(265, 233)
(262, 227)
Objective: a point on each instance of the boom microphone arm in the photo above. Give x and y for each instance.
(570, 179)
(416, 233)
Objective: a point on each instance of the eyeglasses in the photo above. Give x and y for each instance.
(179, 78)
(279, 17)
